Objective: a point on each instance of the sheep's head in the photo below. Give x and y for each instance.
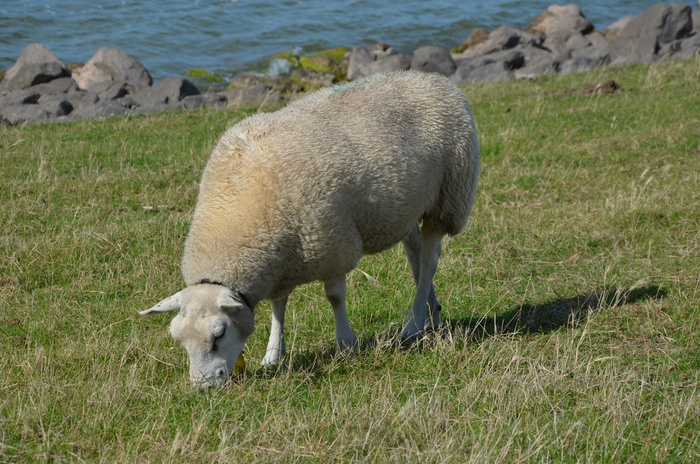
(213, 325)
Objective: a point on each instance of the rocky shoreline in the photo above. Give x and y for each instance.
(39, 87)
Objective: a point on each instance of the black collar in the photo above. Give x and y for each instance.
(238, 293)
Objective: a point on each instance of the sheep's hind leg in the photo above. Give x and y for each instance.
(412, 246)
(276, 348)
(417, 320)
(346, 342)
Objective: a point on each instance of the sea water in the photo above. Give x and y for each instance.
(225, 37)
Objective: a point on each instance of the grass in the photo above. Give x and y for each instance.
(571, 301)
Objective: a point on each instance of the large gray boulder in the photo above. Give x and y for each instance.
(433, 59)
(109, 66)
(696, 20)
(665, 23)
(35, 65)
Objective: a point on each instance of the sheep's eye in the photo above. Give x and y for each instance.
(218, 335)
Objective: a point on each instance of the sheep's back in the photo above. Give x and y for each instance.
(356, 167)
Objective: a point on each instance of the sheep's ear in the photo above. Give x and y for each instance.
(171, 303)
(226, 301)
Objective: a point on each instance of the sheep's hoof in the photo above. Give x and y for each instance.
(433, 321)
(347, 347)
(411, 333)
(272, 357)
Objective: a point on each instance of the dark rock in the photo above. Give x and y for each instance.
(664, 22)
(504, 38)
(114, 91)
(169, 91)
(562, 20)
(35, 65)
(20, 97)
(112, 65)
(55, 105)
(489, 68)
(695, 17)
(539, 61)
(433, 59)
(206, 100)
(101, 109)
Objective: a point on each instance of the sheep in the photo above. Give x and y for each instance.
(301, 194)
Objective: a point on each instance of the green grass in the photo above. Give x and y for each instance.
(570, 302)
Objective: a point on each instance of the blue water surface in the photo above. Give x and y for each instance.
(228, 36)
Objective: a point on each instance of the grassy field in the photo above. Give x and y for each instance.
(571, 302)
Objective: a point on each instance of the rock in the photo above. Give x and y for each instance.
(256, 95)
(433, 59)
(664, 22)
(206, 100)
(559, 42)
(112, 65)
(695, 17)
(281, 84)
(35, 65)
(476, 37)
(504, 38)
(578, 64)
(489, 68)
(379, 58)
(17, 114)
(101, 109)
(598, 39)
(169, 91)
(358, 65)
(566, 19)
(539, 61)
(633, 50)
(681, 49)
(612, 32)
(310, 80)
(55, 105)
(112, 91)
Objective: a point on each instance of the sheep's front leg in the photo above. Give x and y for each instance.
(412, 246)
(417, 320)
(346, 342)
(276, 348)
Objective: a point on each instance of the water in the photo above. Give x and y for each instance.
(228, 36)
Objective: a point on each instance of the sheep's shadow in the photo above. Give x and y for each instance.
(560, 313)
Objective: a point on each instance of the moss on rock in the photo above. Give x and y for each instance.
(204, 75)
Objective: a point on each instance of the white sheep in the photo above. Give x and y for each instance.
(301, 194)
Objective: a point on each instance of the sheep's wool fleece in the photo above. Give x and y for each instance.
(302, 193)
